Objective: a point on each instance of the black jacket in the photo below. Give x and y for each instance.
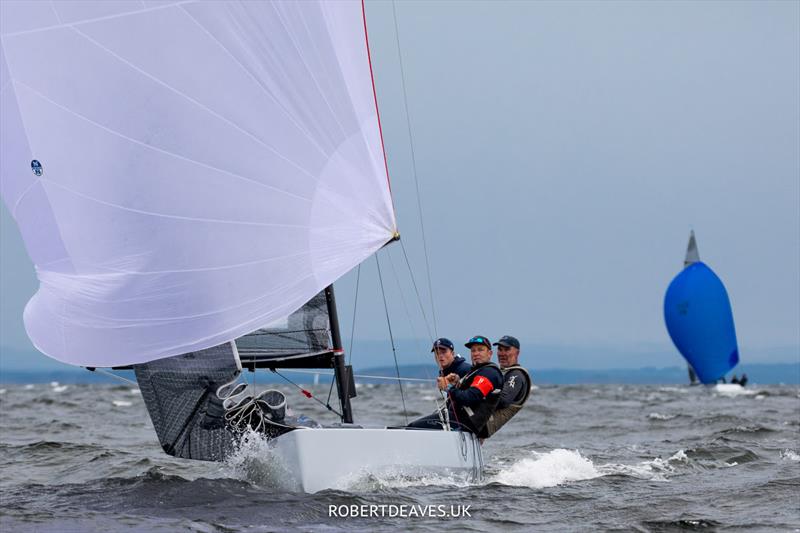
(515, 387)
(459, 366)
(473, 390)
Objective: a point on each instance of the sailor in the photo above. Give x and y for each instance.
(449, 361)
(473, 397)
(516, 386)
(743, 380)
(735, 380)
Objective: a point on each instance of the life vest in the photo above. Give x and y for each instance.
(499, 417)
(476, 417)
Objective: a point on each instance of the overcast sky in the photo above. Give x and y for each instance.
(564, 150)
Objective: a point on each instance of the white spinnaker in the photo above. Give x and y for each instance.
(207, 167)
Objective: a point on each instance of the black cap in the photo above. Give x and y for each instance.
(479, 339)
(447, 343)
(508, 341)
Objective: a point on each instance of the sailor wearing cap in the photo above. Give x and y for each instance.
(474, 397)
(449, 362)
(516, 386)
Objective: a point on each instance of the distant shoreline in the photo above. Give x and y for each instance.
(762, 374)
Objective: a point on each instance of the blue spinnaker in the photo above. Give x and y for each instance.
(700, 322)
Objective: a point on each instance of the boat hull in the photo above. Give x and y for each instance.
(316, 459)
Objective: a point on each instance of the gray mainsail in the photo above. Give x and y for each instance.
(302, 336)
(180, 393)
(692, 254)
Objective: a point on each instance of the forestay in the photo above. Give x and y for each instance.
(184, 173)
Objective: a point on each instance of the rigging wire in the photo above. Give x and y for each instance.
(391, 338)
(365, 376)
(307, 394)
(405, 307)
(414, 165)
(113, 375)
(408, 314)
(416, 290)
(330, 393)
(355, 309)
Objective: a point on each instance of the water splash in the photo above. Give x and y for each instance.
(656, 469)
(256, 462)
(659, 416)
(548, 470)
(790, 455)
(389, 478)
(562, 466)
(732, 389)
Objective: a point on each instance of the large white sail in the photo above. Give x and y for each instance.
(184, 173)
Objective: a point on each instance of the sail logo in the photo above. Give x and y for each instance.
(36, 167)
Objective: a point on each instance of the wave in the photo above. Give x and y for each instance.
(561, 466)
(548, 470)
(255, 461)
(790, 455)
(732, 389)
(659, 416)
(656, 469)
(720, 456)
(48, 446)
(681, 525)
(758, 430)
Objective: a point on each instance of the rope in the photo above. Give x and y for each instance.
(307, 394)
(355, 309)
(414, 163)
(255, 413)
(366, 376)
(405, 307)
(416, 290)
(113, 375)
(330, 393)
(391, 338)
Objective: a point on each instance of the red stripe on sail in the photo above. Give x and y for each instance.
(375, 97)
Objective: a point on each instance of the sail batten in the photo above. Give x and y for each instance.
(183, 190)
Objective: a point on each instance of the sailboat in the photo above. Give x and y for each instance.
(698, 316)
(190, 179)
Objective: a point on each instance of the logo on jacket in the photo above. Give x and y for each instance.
(512, 381)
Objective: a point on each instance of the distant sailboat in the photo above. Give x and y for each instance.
(190, 178)
(698, 316)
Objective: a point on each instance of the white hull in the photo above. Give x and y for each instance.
(732, 389)
(333, 458)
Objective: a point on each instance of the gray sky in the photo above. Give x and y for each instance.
(564, 150)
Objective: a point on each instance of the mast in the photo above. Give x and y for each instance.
(339, 368)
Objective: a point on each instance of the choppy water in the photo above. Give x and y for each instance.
(646, 458)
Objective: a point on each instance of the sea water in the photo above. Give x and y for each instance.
(577, 458)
